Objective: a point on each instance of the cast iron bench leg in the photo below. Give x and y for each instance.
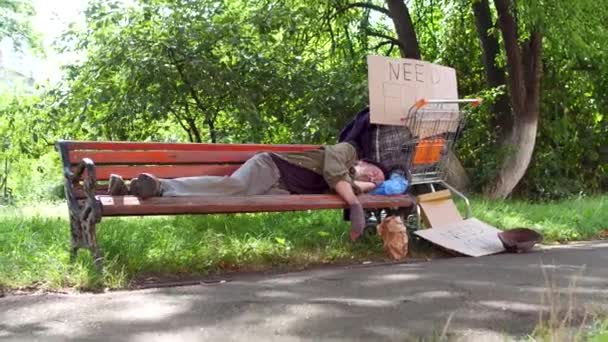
(83, 226)
(83, 218)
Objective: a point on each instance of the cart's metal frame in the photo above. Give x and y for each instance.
(435, 126)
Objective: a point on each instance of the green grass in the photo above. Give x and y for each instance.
(567, 220)
(34, 241)
(34, 244)
(598, 331)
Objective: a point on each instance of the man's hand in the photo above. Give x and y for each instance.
(357, 215)
(366, 186)
(357, 221)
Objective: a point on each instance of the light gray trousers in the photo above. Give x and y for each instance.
(259, 175)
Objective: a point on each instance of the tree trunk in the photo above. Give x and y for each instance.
(519, 146)
(193, 129)
(456, 174)
(405, 29)
(181, 124)
(212, 132)
(524, 66)
(495, 75)
(194, 132)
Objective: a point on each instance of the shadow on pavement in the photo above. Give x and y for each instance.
(498, 294)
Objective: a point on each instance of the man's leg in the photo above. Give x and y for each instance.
(256, 176)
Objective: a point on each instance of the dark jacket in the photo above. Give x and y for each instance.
(358, 132)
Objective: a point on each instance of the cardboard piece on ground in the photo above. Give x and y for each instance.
(438, 209)
(470, 237)
(395, 84)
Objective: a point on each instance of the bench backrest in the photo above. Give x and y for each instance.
(165, 160)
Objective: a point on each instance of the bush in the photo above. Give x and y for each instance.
(31, 180)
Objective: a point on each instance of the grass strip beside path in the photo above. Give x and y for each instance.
(34, 241)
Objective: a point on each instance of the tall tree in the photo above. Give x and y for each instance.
(518, 136)
(495, 74)
(524, 26)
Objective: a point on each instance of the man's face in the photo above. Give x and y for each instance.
(367, 172)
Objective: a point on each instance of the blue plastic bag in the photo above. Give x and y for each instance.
(395, 185)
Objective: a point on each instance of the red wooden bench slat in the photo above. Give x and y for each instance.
(79, 193)
(164, 171)
(133, 146)
(160, 157)
(130, 205)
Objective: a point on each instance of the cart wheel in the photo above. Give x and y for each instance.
(412, 225)
(411, 222)
(372, 218)
(369, 230)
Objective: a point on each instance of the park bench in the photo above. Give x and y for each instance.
(87, 166)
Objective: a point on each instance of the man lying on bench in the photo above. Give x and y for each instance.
(317, 171)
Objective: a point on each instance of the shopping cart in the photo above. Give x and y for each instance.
(421, 148)
(434, 127)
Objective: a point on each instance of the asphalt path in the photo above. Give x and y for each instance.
(487, 298)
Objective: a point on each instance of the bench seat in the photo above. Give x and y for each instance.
(133, 206)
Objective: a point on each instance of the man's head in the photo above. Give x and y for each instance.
(368, 172)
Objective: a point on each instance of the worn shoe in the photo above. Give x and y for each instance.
(117, 186)
(145, 185)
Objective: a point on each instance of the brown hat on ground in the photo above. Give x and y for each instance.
(519, 240)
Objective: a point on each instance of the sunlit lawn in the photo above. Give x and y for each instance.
(34, 241)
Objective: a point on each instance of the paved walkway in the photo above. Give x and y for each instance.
(475, 298)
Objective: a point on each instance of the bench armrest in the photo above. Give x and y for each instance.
(90, 179)
(89, 184)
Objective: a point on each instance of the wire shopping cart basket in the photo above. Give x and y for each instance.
(434, 127)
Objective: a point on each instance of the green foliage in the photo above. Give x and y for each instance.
(570, 155)
(598, 331)
(15, 22)
(477, 146)
(222, 71)
(25, 127)
(29, 167)
(294, 72)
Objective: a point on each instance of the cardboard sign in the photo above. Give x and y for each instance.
(395, 84)
(438, 209)
(470, 237)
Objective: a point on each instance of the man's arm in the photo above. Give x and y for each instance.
(357, 216)
(345, 190)
(338, 159)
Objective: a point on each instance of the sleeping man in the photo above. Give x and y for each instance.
(334, 168)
